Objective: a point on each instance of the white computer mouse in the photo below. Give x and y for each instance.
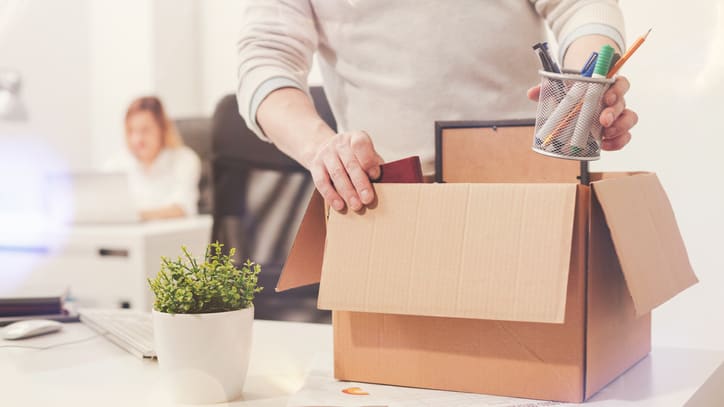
(30, 327)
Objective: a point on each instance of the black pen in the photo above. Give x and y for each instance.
(554, 65)
(544, 57)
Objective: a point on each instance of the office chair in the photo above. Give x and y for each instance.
(260, 195)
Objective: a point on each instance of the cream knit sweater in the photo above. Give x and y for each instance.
(394, 67)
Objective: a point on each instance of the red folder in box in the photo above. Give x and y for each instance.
(405, 171)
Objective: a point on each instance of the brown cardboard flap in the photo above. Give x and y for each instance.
(646, 238)
(304, 263)
(486, 251)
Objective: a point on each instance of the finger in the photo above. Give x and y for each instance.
(368, 158)
(625, 122)
(617, 91)
(357, 175)
(616, 143)
(534, 93)
(610, 114)
(324, 185)
(340, 180)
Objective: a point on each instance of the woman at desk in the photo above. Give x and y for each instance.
(163, 174)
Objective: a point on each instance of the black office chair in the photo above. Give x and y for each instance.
(260, 195)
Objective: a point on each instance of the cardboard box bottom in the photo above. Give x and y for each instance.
(475, 356)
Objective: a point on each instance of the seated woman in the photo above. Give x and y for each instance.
(163, 173)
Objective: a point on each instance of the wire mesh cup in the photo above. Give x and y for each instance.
(567, 123)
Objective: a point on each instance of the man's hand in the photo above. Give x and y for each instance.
(341, 165)
(342, 168)
(615, 118)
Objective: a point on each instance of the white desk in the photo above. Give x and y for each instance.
(98, 373)
(104, 265)
(95, 372)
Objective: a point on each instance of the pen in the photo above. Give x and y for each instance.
(554, 65)
(590, 100)
(549, 66)
(545, 61)
(571, 115)
(567, 133)
(590, 64)
(615, 59)
(561, 116)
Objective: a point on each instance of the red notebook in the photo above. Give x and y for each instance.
(405, 171)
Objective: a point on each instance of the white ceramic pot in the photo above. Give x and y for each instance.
(203, 357)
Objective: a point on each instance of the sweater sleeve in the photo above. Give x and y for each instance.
(274, 50)
(572, 19)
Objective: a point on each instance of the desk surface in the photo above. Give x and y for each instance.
(95, 372)
(148, 227)
(89, 370)
(41, 234)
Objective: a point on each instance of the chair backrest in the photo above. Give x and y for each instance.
(196, 134)
(259, 192)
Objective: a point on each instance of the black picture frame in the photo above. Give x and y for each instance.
(440, 126)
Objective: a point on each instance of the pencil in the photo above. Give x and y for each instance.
(610, 74)
(628, 54)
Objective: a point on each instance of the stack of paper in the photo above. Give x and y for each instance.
(322, 390)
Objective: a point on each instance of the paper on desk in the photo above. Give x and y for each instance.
(322, 390)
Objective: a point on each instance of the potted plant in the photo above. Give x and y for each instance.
(202, 321)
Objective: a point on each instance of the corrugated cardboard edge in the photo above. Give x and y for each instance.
(646, 237)
(397, 259)
(616, 338)
(304, 263)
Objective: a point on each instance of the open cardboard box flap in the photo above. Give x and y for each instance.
(646, 237)
(449, 250)
(304, 263)
(469, 262)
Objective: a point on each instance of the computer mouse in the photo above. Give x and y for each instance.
(30, 327)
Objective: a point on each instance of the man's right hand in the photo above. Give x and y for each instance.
(341, 164)
(342, 168)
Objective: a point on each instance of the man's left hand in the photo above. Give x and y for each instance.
(615, 118)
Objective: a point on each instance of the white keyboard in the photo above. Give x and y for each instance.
(131, 330)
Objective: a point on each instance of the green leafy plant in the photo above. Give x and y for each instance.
(185, 286)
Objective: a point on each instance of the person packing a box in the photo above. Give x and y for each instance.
(390, 69)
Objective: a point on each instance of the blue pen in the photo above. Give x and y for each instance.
(587, 69)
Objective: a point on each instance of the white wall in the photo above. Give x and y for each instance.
(47, 41)
(177, 55)
(140, 48)
(121, 43)
(219, 29)
(677, 81)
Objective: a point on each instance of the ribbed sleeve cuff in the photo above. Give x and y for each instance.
(255, 87)
(601, 17)
(591, 29)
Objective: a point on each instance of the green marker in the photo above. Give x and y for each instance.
(603, 63)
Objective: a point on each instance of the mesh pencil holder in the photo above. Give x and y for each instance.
(567, 123)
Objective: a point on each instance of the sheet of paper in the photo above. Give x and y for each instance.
(322, 390)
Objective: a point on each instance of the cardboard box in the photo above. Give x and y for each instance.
(535, 290)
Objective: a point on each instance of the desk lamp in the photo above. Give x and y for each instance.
(11, 106)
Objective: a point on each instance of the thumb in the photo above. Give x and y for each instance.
(534, 93)
(376, 172)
